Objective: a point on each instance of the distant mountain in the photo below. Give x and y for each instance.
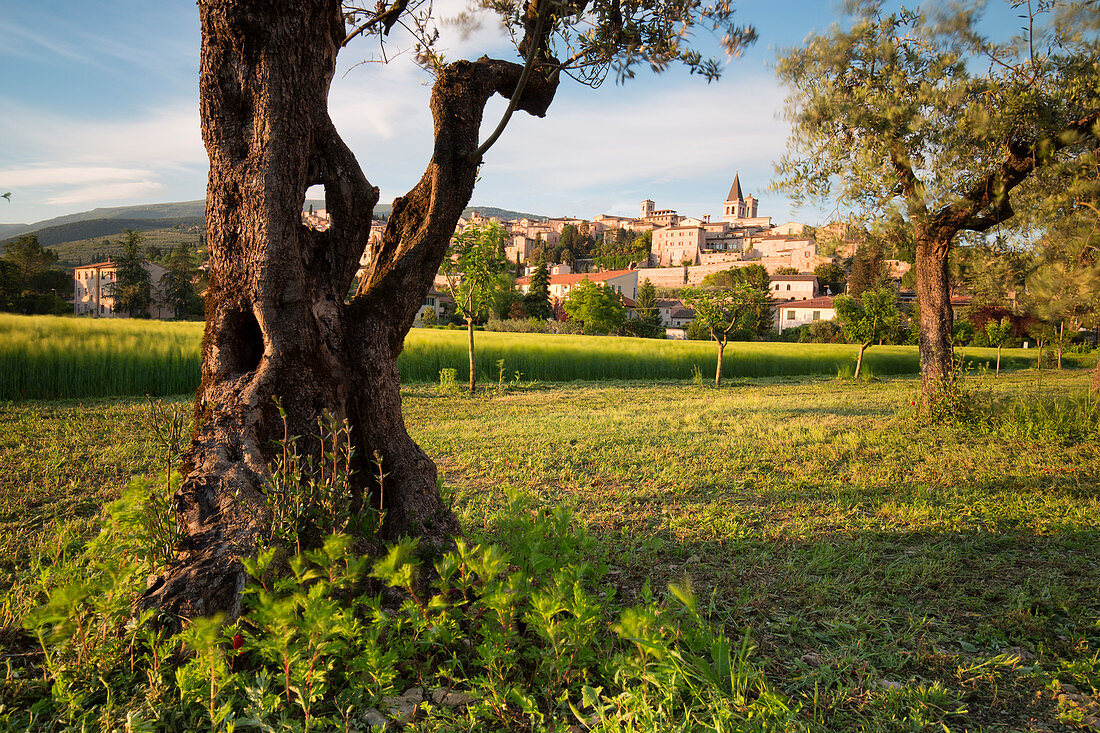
(10, 230)
(502, 214)
(180, 210)
(107, 222)
(96, 228)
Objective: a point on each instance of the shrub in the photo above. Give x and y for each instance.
(516, 635)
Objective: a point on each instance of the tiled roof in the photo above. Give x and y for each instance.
(735, 189)
(825, 301)
(801, 277)
(576, 277)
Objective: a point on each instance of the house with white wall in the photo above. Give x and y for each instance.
(800, 312)
(803, 286)
(434, 302)
(93, 288)
(673, 313)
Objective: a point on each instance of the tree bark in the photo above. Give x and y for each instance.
(718, 370)
(859, 360)
(998, 358)
(277, 325)
(473, 367)
(936, 320)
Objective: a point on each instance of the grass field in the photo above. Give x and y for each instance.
(48, 357)
(891, 575)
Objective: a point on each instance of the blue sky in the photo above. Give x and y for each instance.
(100, 109)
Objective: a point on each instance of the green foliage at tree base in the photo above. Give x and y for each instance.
(518, 634)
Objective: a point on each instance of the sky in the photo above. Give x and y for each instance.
(100, 108)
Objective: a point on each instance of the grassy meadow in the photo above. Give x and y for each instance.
(50, 357)
(891, 575)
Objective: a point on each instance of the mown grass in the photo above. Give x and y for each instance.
(893, 575)
(48, 357)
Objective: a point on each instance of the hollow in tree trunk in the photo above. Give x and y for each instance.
(277, 324)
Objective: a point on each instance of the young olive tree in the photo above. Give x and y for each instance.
(998, 333)
(869, 318)
(927, 117)
(1064, 288)
(279, 324)
(474, 267)
(726, 312)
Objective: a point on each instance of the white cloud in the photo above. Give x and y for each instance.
(107, 192)
(25, 43)
(69, 175)
(603, 149)
(76, 160)
(167, 136)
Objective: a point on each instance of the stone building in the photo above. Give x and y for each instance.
(93, 287)
(680, 240)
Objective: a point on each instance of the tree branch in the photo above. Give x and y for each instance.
(533, 46)
(423, 221)
(1023, 158)
(908, 180)
(387, 17)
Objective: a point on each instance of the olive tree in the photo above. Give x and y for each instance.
(726, 312)
(473, 268)
(925, 115)
(998, 333)
(871, 317)
(279, 324)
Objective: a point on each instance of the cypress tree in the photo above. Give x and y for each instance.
(537, 300)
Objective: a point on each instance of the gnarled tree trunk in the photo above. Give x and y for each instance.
(936, 319)
(277, 324)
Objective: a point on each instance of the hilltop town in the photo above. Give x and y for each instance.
(662, 246)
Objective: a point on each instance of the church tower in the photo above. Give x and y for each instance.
(737, 205)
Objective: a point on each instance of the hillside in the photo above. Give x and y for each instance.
(100, 248)
(96, 228)
(86, 236)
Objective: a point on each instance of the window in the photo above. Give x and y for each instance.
(790, 315)
(788, 286)
(817, 315)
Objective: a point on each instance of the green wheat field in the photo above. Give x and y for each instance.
(49, 357)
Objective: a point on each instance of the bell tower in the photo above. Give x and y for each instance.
(737, 205)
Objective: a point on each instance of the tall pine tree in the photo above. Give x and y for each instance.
(537, 300)
(130, 289)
